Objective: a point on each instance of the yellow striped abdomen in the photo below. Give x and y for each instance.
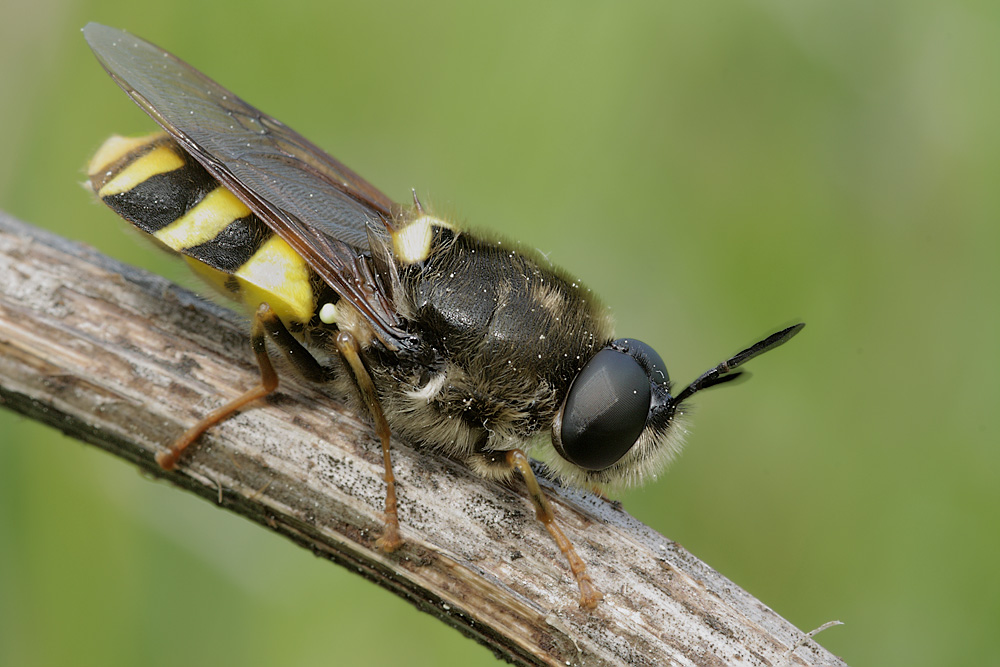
(152, 183)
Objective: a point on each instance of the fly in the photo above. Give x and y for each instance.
(451, 341)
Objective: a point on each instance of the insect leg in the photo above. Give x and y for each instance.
(589, 595)
(265, 323)
(349, 350)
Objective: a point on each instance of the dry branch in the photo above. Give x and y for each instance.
(125, 360)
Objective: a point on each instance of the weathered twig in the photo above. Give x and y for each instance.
(125, 360)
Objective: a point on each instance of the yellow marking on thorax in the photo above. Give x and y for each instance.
(412, 243)
(157, 161)
(203, 222)
(277, 275)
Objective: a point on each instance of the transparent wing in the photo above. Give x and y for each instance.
(319, 206)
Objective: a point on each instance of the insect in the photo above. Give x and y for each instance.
(454, 342)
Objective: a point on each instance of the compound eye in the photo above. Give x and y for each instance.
(657, 369)
(605, 411)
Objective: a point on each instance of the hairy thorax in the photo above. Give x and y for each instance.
(503, 335)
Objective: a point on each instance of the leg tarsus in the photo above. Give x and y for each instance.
(265, 324)
(268, 383)
(589, 595)
(349, 350)
(390, 539)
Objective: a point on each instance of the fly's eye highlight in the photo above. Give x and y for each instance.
(648, 358)
(605, 410)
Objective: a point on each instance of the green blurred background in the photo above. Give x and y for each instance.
(713, 170)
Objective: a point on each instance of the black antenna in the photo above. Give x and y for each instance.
(724, 372)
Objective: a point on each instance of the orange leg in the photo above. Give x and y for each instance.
(265, 323)
(349, 350)
(589, 595)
